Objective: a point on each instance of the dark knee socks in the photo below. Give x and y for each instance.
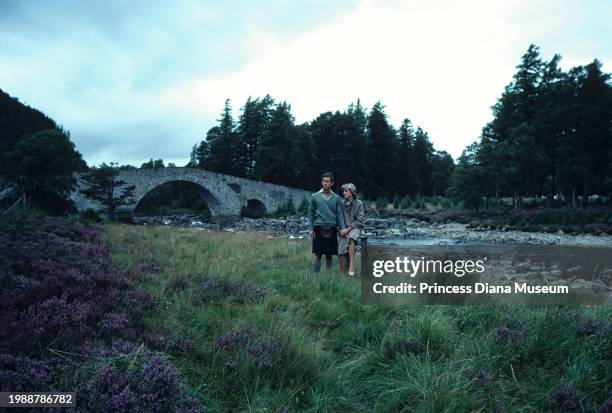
(328, 262)
(317, 263)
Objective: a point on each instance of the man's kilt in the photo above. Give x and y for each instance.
(325, 241)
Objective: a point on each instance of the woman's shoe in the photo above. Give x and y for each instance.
(351, 273)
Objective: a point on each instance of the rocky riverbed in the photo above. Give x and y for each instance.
(396, 229)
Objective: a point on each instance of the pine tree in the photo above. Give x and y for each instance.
(275, 155)
(252, 126)
(202, 152)
(465, 183)
(594, 116)
(554, 123)
(193, 161)
(441, 171)
(407, 173)
(356, 125)
(221, 158)
(381, 153)
(306, 158)
(515, 125)
(423, 153)
(324, 133)
(105, 186)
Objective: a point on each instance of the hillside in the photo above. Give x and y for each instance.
(18, 120)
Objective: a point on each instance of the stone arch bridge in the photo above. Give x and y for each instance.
(225, 195)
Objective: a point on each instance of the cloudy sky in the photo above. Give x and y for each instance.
(133, 80)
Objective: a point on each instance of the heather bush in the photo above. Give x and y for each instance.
(400, 340)
(569, 220)
(143, 269)
(242, 354)
(24, 374)
(246, 345)
(215, 289)
(248, 358)
(505, 334)
(564, 398)
(606, 407)
(61, 291)
(588, 326)
(139, 381)
(68, 316)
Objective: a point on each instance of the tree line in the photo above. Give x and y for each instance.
(551, 136)
(357, 145)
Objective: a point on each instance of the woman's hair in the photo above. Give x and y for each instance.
(350, 187)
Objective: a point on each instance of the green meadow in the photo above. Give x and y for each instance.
(251, 328)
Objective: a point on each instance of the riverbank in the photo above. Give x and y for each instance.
(381, 227)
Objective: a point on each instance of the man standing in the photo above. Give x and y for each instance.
(325, 218)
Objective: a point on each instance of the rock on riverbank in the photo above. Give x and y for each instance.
(378, 227)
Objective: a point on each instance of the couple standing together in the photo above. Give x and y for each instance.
(328, 215)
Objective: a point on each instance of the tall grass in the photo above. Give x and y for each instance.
(263, 333)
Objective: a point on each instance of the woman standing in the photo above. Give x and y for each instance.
(353, 217)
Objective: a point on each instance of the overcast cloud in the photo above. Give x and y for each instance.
(146, 79)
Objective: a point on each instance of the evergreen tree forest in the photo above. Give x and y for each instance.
(551, 136)
(357, 145)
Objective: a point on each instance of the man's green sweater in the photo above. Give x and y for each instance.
(323, 211)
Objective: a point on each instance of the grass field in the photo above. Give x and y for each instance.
(254, 330)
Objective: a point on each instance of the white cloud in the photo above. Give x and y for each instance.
(442, 64)
(146, 89)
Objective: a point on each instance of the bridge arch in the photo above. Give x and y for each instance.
(253, 208)
(212, 202)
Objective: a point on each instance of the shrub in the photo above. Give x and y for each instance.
(286, 208)
(396, 201)
(20, 219)
(418, 203)
(219, 289)
(91, 214)
(289, 205)
(446, 203)
(149, 385)
(124, 216)
(381, 203)
(405, 202)
(303, 208)
(564, 398)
